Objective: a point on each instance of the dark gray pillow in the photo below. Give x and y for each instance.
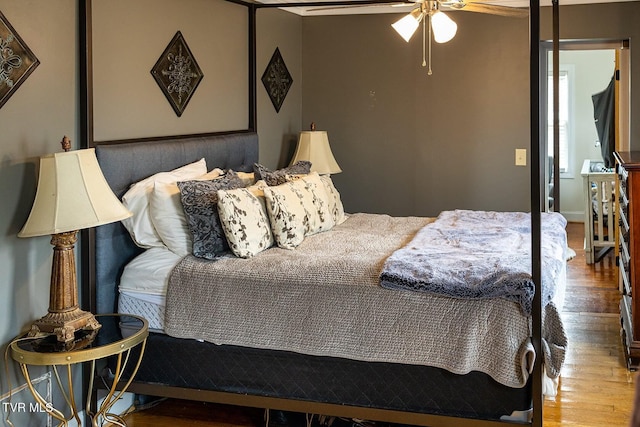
(200, 204)
(279, 176)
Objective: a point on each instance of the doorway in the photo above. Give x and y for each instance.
(586, 68)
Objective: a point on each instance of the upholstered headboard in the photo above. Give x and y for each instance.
(124, 163)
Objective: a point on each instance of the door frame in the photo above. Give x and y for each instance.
(622, 96)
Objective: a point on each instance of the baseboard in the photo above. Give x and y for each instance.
(18, 406)
(122, 406)
(573, 216)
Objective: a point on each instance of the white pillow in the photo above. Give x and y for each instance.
(212, 174)
(149, 272)
(298, 209)
(136, 199)
(167, 214)
(247, 178)
(244, 219)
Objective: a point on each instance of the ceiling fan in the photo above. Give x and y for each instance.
(434, 21)
(443, 28)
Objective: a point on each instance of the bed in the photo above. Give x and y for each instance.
(187, 368)
(303, 376)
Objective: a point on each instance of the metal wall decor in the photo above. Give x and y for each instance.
(177, 73)
(16, 60)
(277, 80)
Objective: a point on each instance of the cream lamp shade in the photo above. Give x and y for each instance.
(314, 146)
(72, 194)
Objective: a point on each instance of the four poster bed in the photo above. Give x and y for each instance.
(332, 323)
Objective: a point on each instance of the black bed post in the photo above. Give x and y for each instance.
(536, 206)
(86, 73)
(86, 141)
(556, 107)
(253, 76)
(87, 237)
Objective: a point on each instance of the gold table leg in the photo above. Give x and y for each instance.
(42, 402)
(112, 397)
(68, 397)
(107, 403)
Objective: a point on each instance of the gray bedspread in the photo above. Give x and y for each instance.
(324, 298)
(479, 254)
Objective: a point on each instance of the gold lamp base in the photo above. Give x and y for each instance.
(64, 325)
(65, 316)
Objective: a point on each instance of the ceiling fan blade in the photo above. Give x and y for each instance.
(350, 6)
(516, 12)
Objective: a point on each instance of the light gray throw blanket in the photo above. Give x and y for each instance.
(479, 255)
(324, 298)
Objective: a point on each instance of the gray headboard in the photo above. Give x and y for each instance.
(124, 163)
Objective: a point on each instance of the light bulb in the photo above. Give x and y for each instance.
(407, 25)
(444, 29)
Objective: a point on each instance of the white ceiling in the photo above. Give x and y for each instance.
(405, 8)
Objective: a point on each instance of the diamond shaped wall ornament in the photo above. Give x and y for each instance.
(17, 61)
(177, 73)
(277, 80)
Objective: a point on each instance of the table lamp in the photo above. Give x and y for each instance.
(314, 146)
(72, 194)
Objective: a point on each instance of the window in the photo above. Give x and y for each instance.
(563, 115)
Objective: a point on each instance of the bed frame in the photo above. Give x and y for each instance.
(108, 248)
(267, 378)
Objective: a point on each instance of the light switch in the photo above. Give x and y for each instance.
(521, 157)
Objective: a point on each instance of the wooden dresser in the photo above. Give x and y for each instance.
(628, 168)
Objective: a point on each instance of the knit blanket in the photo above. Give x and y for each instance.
(479, 255)
(324, 299)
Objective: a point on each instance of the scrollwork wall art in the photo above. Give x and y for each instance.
(17, 61)
(277, 80)
(177, 73)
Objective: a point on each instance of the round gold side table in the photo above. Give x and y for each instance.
(118, 336)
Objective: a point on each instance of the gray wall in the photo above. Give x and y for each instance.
(32, 123)
(128, 102)
(279, 130)
(413, 144)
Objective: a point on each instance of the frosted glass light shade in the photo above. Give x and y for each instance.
(314, 147)
(444, 28)
(72, 194)
(408, 24)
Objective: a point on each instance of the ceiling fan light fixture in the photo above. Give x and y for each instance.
(444, 28)
(408, 24)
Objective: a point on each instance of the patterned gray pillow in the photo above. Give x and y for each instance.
(200, 204)
(279, 176)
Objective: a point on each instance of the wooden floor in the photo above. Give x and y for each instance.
(595, 389)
